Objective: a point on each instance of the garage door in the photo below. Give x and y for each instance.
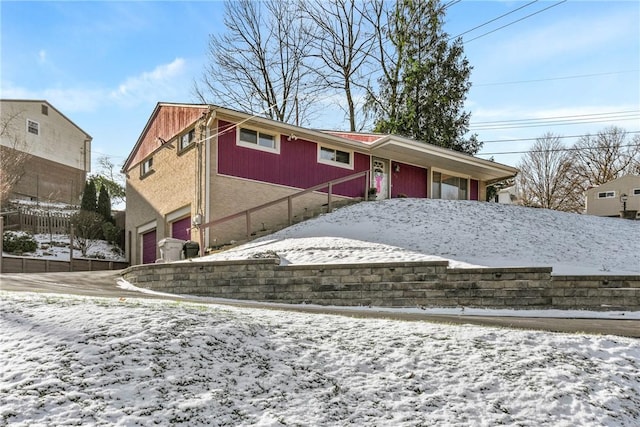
(149, 247)
(180, 229)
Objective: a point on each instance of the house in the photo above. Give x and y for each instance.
(507, 195)
(614, 197)
(55, 151)
(193, 164)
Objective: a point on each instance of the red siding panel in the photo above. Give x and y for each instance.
(168, 121)
(296, 165)
(410, 181)
(149, 247)
(474, 193)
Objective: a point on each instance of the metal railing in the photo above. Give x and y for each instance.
(289, 199)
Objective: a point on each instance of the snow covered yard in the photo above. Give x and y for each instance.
(91, 361)
(467, 233)
(58, 248)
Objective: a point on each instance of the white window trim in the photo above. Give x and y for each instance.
(193, 140)
(607, 196)
(179, 214)
(276, 140)
(148, 161)
(148, 227)
(633, 192)
(332, 162)
(37, 127)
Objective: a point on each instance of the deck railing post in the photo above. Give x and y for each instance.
(329, 197)
(201, 230)
(1, 239)
(290, 209)
(248, 224)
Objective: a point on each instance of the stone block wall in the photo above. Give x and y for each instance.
(402, 284)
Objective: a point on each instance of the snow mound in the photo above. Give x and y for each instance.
(467, 233)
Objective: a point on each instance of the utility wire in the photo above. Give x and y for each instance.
(557, 117)
(513, 22)
(555, 121)
(552, 150)
(451, 3)
(568, 123)
(556, 78)
(559, 137)
(494, 19)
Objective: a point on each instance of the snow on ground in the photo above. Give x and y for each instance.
(56, 247)
(466, 232)
(92, 361)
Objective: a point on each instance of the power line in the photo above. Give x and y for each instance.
(451, 3)
(556, 78)
(513, 22)
(553, 150)
(559, 137)
(556, 123)
(557, 117)
(494, 19)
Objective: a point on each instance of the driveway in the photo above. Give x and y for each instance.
(105, 284)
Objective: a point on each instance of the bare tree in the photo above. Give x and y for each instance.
(258, 65)
(546, 177)
(110, 179)
(606, 156)
(343, 40)
(389, 49)
(13, 154)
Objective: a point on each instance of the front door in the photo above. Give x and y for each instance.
(380, 178)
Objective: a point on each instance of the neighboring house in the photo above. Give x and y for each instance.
(507, 196)
(59, 152)
(197, 163)
(607, 199)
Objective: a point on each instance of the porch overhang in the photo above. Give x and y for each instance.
(429, 156)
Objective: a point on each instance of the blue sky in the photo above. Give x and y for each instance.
(106, 64)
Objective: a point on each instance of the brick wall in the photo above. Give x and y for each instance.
(410, 284)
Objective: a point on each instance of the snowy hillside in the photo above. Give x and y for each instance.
(466, 232)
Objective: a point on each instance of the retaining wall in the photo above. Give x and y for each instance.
(14, 264)
(404, 284)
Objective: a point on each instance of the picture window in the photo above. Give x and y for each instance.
(448, 187)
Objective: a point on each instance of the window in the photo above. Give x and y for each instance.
(335, 157)
(259, 140)
(636, 192)
(187, 139)
(448, 187)
(147, 167)
(606, 195)
(45, 110)
(33, 127)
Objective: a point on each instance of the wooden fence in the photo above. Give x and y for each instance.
(41, 224)
(37, 222)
